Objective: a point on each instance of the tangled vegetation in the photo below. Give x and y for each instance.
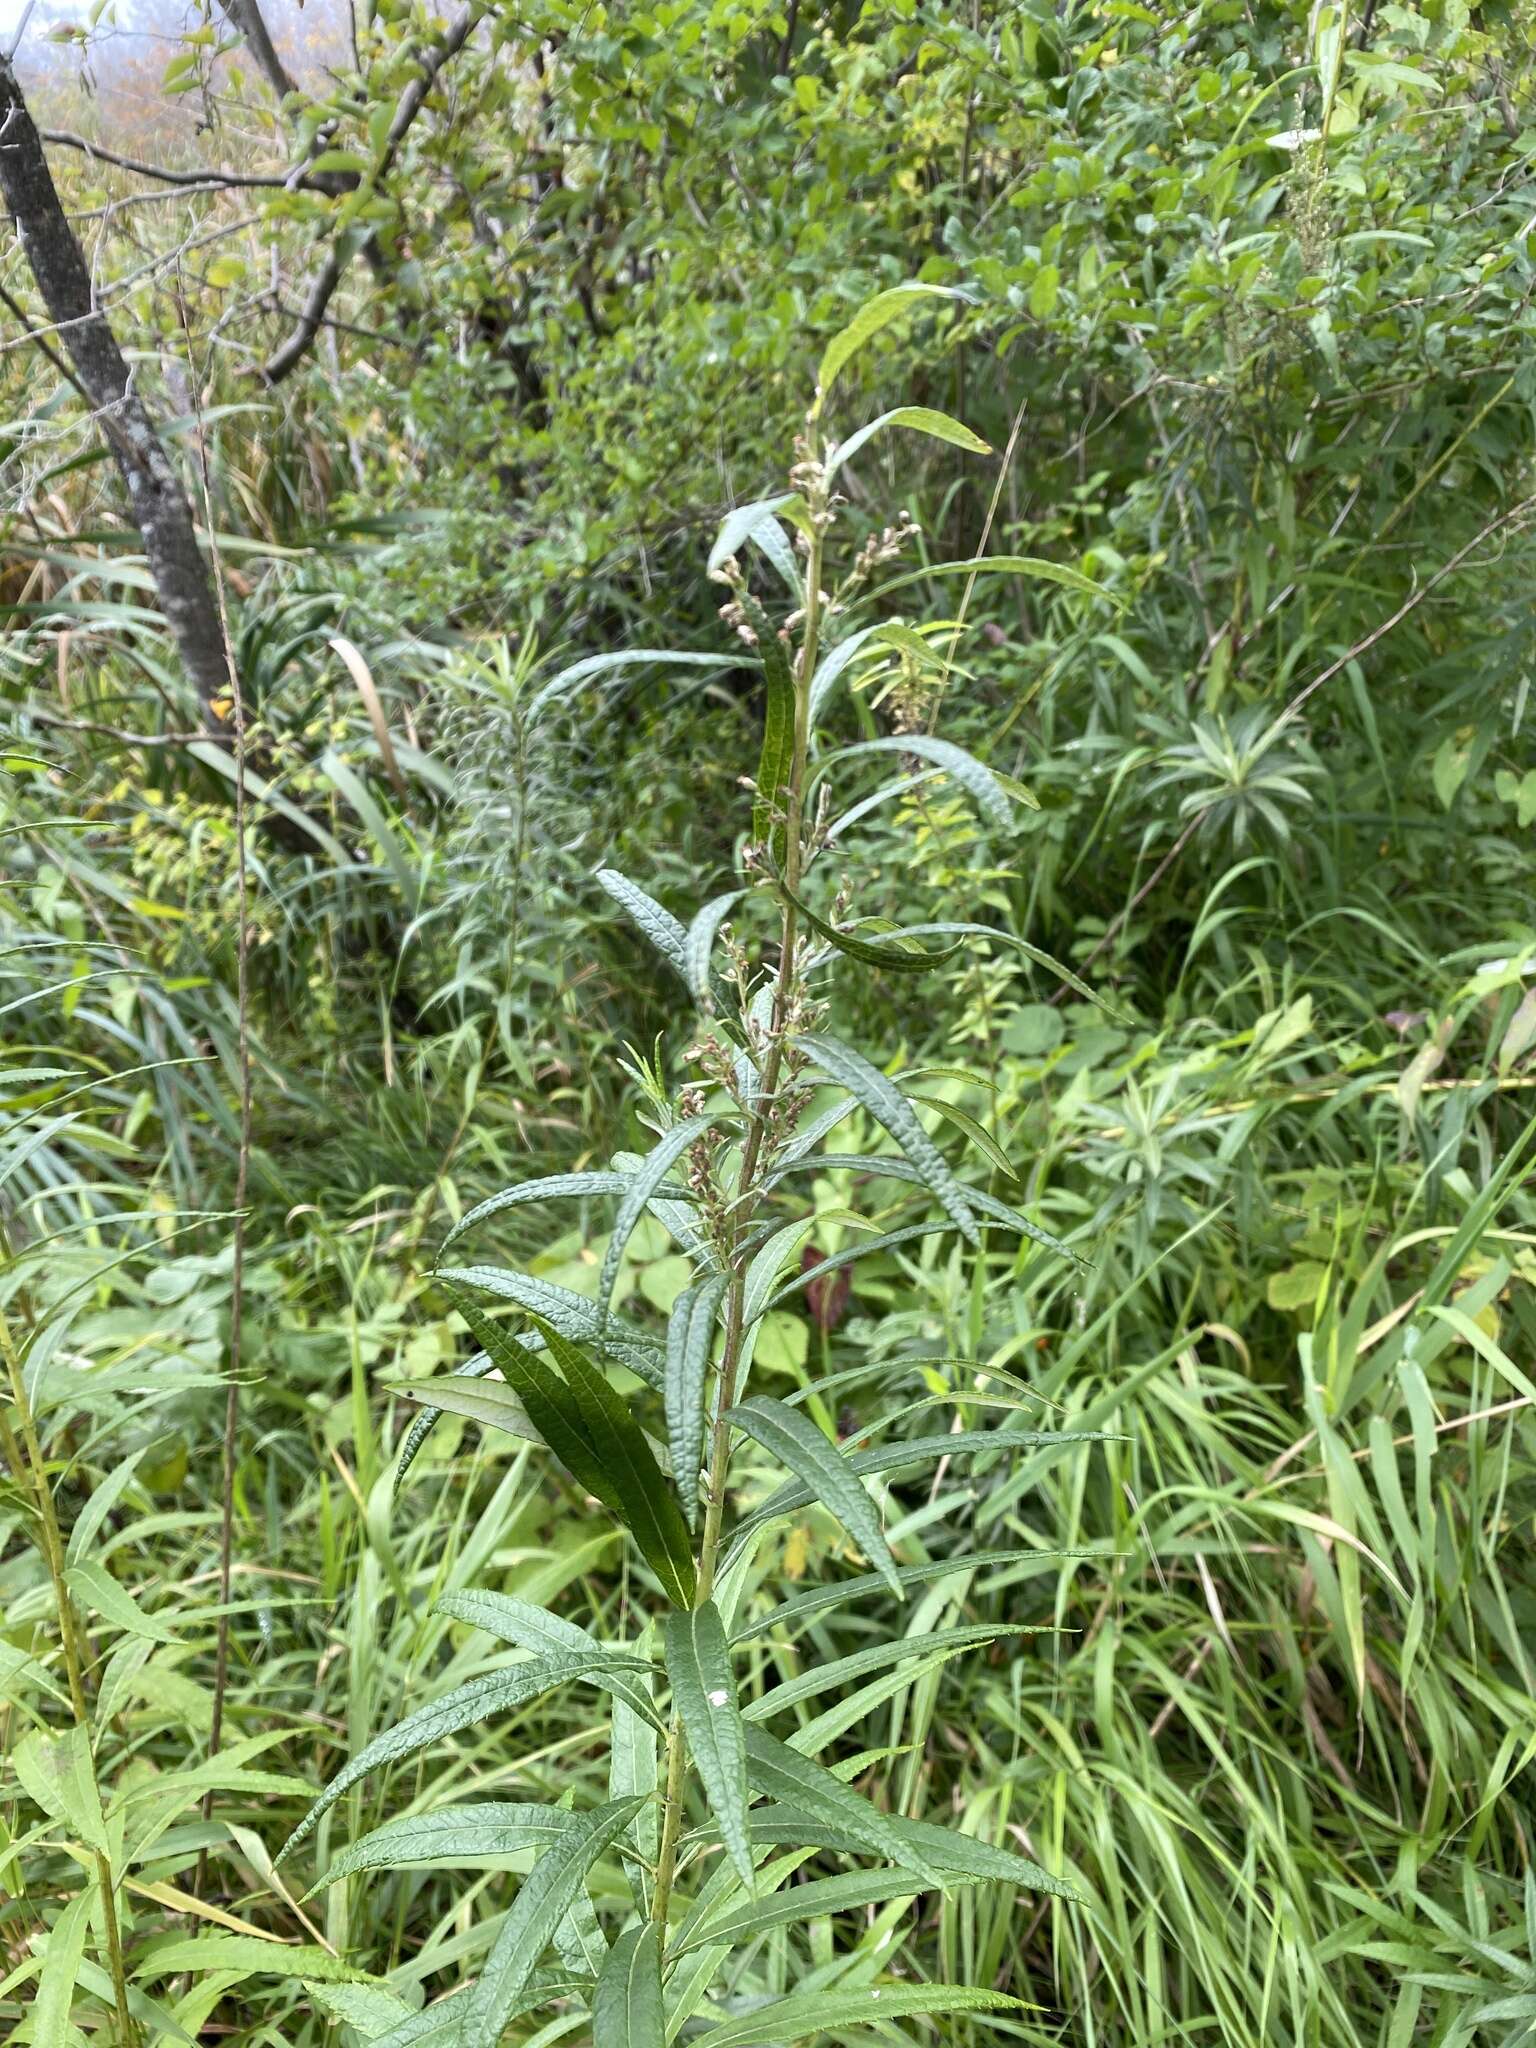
(973, 1007)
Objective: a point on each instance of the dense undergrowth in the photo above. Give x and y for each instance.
(1261, 405)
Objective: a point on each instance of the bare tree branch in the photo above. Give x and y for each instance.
(291, 352)
(275, 181)
(249, 19)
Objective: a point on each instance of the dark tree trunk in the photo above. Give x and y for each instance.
(249, 20)
(155, 495)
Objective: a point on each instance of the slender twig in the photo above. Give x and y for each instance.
(251, 180)
(243, 1152)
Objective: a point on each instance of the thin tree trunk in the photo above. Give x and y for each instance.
(156, 498)
(249, 20)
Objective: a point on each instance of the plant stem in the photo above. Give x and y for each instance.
(747, 1190)
(30, 1453)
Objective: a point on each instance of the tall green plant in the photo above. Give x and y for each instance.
(698, 1766)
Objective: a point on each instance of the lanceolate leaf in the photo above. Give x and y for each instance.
(418, 1432)
(742, 524)
(1008, 565)
(552, 1187)
(483, 1836)
(874, 314)
(972, 775)
(646, 1182)
(534, 1628)
(921, 1450)
(464, 1707)
(690, 1339)
(1033, 952)
(441, 2024)
(571, 1314)
(604, 664)
(627, 2010)
(889, 953)
(489, 1402)
(922, 419)
(930, 1650)
(542, 1902)
(658, 925)
(832, 664)
(848, 1893)
(820, 2012)
(822, 1598)
(700, 940)
(61, 1966)
(551, 1404)
(818, 1463)
(783, 1774)
(886, 1103)
(893, 1167)
(646, 1502)
(704, 1693)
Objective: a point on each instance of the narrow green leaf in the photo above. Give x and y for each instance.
(633, 1755)
(606, 664)
(551, 1404)
(441, 2024)
(977, 1133)
(464, 1707)
(543, 1899)
(483, 1837)
(94, 1587)
(61, 1967)
(818, 1463)
(528, 1627)
(690, 1340)
(922, 419)
(932, 1649)
(699, 943)
(627, 2010)
(892, 1166)
(573, 1315)
(820, 1599)
(849, 1892)
(645, 1183)
(103, 1499)
(950, 1853)
(819, 2012)
(744, 524)
(1007, 565)
(832, 664)
(658, 925)
(873, 315)
(57, 1774)
(1036, 953)
(975, 778)
(248, 1956)
(551, 1187)
(426, 1421)
(889, 1107)
(783, 1774)
(367, 2007)
(704, 1692)
(919, 1450)
(890, 953)
(646, 1502)
(491, 1403)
